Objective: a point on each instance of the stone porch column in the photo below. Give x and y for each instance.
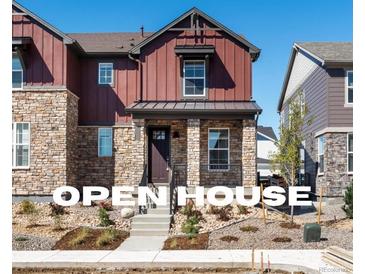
(249, 152)
(193, 151)
(139, 150)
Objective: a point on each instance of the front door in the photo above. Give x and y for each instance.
(158, 154)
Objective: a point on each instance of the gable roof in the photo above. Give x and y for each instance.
(254, 51)
(337, 54)
(112, 42)
(267, 131)
(66, 39)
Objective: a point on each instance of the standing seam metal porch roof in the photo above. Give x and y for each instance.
(191, 107)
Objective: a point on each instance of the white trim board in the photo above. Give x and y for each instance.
(333, 130)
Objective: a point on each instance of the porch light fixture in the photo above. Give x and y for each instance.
(175, 134)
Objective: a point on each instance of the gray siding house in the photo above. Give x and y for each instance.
(322, 71)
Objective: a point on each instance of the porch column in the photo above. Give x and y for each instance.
(138, 149)
(249, 152)
(193, 151)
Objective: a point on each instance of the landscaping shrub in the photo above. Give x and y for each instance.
(57, 209)
(21, 239)
(290, 225)
(347, 207)
(243, 210)
(107, 205)
(213, 209)
(57, 222)
(108, 236)
(249, 228)
(27, 207)
(104, 218)
(281, 240)
(229, 239)
(187, 210)
(80, 237)
(224, 213)
(190, 227)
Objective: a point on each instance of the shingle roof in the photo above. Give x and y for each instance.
(329, 51)
(267, 131)
(108, 42)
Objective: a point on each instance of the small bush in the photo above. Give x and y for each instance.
(249, 228)
(107, 205)
(108, 236)
(224, 213)
(213, 209)
(80, 237)
(190, 227)
(229, 239)
(57, 209)
(187, 210)
(104, 218)
(281, 240)
(347, 207)
(290, 225)
(57, 222)
(243, 210)
(27, 207)
(21, 239)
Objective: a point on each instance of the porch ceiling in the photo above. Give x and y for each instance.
(189, 109)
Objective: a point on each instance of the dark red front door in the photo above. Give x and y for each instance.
(158, 154)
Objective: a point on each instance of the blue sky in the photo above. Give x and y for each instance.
(272, 25)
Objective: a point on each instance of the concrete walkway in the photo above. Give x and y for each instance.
(142, 243)
(309, 261)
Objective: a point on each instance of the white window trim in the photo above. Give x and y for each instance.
(347, 103)
(112, 82)
(229, 149)
(318, 157)
(22, 71)
(99, 130)
(14, 145)
(347, 153)
(204, 90)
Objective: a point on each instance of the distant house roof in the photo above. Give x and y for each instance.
(263, 161)
(330, 54)
(329, 51)
(267, 131)
(109, 42)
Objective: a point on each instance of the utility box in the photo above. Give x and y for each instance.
(312, 233)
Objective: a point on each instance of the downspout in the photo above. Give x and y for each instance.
(140, 75)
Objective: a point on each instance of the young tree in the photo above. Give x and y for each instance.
(286, 160)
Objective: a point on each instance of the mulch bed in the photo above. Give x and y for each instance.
(290, 225)
(200, 241)
(90, 242)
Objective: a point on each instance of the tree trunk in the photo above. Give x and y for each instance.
(292, 179)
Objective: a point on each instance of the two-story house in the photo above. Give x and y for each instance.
(119, 108)
(266, 147)
(322, 72)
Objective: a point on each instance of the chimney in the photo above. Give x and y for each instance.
(142, 31)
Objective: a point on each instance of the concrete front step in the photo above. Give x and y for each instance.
(159, 210)
(152, 218)
(149, 232)
(149, 225)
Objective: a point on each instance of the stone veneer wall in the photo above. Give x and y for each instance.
(52, 115)
(126, 165)
(249, 146)
(335, 178)
(193, 152)
(234, 175)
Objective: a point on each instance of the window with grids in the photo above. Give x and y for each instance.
(321, 141)
(106, 73)
(218, 149)
(349, 88)
(194, 78)
(21, 144)
(105, 142)
(17, 72)
(350, 153)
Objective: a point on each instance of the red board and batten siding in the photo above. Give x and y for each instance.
(48, 61)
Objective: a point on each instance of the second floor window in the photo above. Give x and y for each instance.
(105, 74)
(17, 75)
(194, 78)
(349, 87)
(105, 142)
(350, 153)
(321, 141)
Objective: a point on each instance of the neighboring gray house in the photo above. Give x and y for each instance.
(323, 71)
(266, 146)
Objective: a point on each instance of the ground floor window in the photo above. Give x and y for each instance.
(21, 144)
(321, 141)
(218, 148)
(350, 152)
(105, 142)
